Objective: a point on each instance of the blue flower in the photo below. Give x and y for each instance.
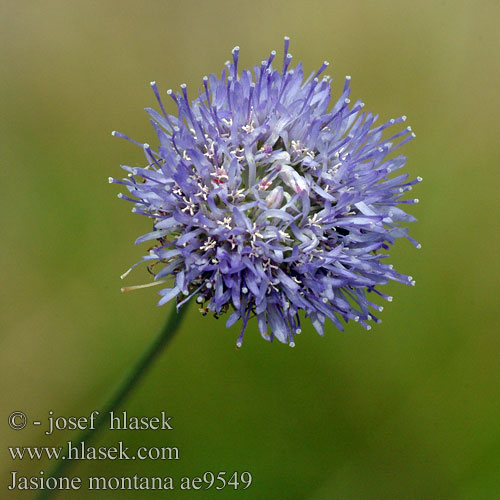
(267, 201)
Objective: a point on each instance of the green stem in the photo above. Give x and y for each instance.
(128, 383)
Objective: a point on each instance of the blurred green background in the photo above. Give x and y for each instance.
(409, 410)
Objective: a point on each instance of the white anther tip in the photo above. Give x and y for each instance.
(146, 145)
(389, 299)
(298, 331)
(416, 200)
(286, 38)
(120, 195)
(125, 274)
(110, 180)
(368, 327)
(153, 83)
(238, 344)
(348, 77)
(419, 179)
(347, 101)
(403, 118)
(292, 344)
(114, 133)
(235, 49)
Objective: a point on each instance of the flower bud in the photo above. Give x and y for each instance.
(280, 158)
(293, 179)
(275, 198)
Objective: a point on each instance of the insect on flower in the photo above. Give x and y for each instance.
(266, 200)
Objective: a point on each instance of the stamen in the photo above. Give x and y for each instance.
(236, 53)
(157, 94)
(323, 67)
(137, 287)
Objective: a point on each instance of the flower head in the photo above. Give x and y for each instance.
(266, 200)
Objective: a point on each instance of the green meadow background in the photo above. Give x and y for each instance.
(409, 410)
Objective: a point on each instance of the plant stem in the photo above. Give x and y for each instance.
(129, 382)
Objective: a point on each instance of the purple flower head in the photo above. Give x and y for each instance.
(267, 200)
